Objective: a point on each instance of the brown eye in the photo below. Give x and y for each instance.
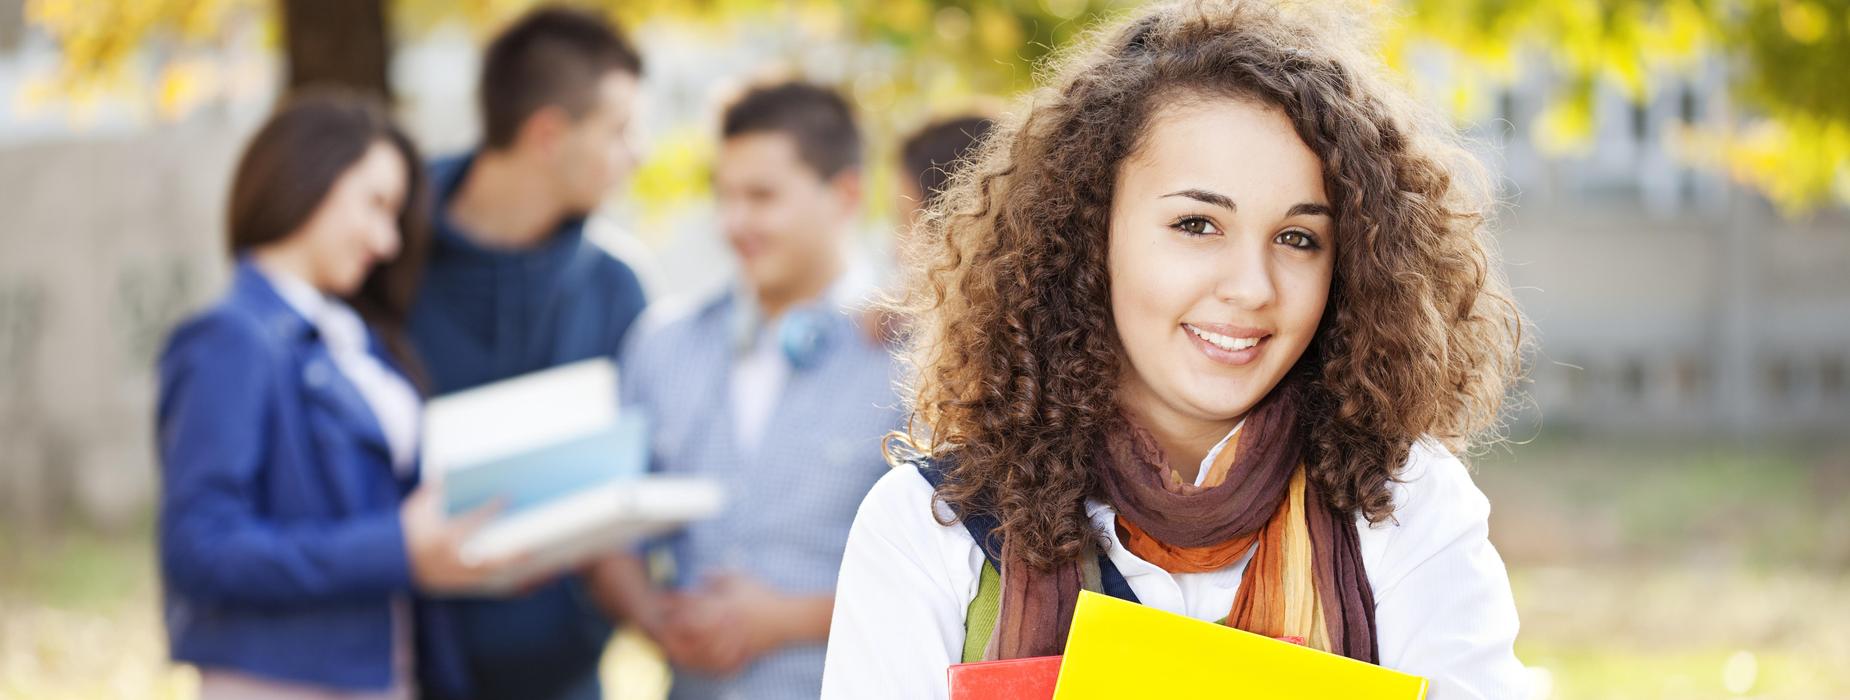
(1297, 239)
(1195, 226)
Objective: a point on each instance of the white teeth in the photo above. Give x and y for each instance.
(1227, 343)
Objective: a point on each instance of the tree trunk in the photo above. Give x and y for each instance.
(337, 42)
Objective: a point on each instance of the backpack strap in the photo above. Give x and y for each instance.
(983, 527)
(981, 615)
(980, 618)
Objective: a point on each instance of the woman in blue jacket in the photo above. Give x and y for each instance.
(293, 538)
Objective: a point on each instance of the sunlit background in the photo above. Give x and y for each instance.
(1674, 504)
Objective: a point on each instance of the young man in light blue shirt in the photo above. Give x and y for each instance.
(776, 390)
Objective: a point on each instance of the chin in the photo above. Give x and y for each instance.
(1223, 410)
(1223, 400)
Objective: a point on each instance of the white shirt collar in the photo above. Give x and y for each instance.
(338, 324)
(1201, 474)
(297, 293)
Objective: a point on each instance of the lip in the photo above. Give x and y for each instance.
(1235, 358)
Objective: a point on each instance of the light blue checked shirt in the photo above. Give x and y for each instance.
(790, 498)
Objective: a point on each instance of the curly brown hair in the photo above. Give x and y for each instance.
(1016, 360)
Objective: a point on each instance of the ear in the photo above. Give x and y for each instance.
(543, 129)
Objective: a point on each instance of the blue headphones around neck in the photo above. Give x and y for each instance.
(801, 333)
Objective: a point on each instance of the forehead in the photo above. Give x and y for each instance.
(1238, 147)
(382, 164)
(772, 154)
(615, 93)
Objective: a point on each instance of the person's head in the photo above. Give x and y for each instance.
(331, 188)
(929, 156)
(559, 89)
(788, 183)
(1209, 175)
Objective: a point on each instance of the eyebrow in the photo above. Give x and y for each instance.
(1225, 202)
(1206, 197)
(1310, 209)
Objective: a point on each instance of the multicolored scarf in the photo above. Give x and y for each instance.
(1305, 578)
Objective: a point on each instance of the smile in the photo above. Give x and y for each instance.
(1229, 349)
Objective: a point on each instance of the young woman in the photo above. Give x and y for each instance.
(1202, 329)
(288, 429)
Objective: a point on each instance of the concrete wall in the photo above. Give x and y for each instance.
(105, 244)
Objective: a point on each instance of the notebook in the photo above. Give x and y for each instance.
(1015, 679)
(1119, 649)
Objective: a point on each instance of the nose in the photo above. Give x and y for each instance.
(1247, 280)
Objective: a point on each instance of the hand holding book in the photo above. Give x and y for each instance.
(567, 468)
(434, 543)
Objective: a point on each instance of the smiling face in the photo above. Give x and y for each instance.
(1221, 256)
(784, 220)
(355, 228)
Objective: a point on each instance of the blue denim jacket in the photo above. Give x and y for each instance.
(280, 545)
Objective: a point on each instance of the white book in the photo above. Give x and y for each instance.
(567, 466)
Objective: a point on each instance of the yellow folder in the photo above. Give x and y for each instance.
(1118, 649)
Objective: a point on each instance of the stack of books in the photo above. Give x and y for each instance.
(1119, 649)
(566, 465)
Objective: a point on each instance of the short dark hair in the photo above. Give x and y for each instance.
(933, 153)
(551, 56)
(816, 117)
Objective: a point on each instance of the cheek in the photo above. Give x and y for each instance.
(1147, 293)
(618, 156)
(580, 169)
(790, 216)
(598, 158)
(588, 167)
(1305, 297)
(345, 234)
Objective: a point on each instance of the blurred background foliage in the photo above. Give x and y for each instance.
(1679, 565)
(1785, 58)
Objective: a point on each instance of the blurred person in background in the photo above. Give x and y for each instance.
(929, 158)
(514, 286)
(288, 427)
(773, 389)
(1207, 340)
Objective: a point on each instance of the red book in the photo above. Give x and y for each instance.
(1014, 679)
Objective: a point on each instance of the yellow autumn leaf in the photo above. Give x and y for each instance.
(1565, 127)
(184, 85)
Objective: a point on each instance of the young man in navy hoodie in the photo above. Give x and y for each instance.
(513, 286)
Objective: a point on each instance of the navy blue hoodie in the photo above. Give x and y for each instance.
(484, 315)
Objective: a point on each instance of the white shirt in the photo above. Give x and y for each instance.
(759, 367)
(1443, 608)
(392, 399)
(758, 376)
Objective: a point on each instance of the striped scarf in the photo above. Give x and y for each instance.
(1305, 579)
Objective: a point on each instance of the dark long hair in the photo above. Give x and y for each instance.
(289, 168)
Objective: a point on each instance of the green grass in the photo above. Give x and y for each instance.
(80, 620)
